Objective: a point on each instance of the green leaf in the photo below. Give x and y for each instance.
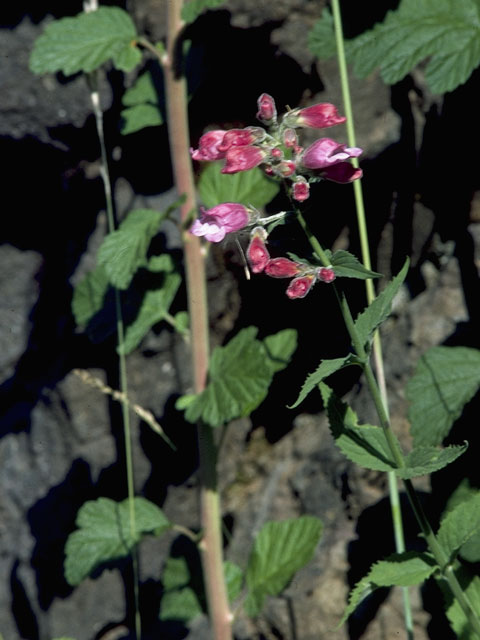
(280, 348)
(424, 460)
(139, 117)
(176, 573)
(88, 295)
(364, 444)
(279, 551)
(470, 550)
(233, 579)
(125, 250)
(460, 524)
(251, 188)
(85, 42)
(346, 265)
(143, 91)
(380, 308)
(403, 570)
(155, 306)
(180, 604)
(182, 322)
(321, 39)
(447, 32)
(325, 369)
(470, 585)
(446, 379)
(193, 8)
(239, 376)
(104, 534)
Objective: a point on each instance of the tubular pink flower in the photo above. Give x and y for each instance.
(299, 287)
(326, 274)
(326, 152)
(282, 268)
(243, 158)
(241, 137)
(215, 223)
(301, 189)
(342, 172)
(267, 111)
(318, 116)
(208, 146)
(257, 253)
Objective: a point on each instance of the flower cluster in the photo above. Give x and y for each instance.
(279, 153)
(278, 150)
(304, 275)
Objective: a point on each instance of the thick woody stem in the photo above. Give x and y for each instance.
(211, 544)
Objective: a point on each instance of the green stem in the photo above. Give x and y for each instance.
(95, 98)
(211, 544)
(377, 345)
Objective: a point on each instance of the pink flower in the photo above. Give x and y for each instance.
(299, 287)
(216, 222)
(257, 253)
(285, 169)
(326, 274)
(282, 268)
(208, 146)
(326, 152)
(342, 172)
(241, 137)
(301, 189)
(318, 116)
(267, 111)
(243, 158)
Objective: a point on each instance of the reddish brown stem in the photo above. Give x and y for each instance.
(211, 544)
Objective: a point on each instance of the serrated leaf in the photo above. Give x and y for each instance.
(279, 551)
(193, 8)
(424, 460)
(470, 550)
(447, 32)
(325, 369)
(446, 379)
(154, 307)
(180, 604)
(246, 187)
(346, 265)
(402, 570)
(379, 310)
(125, 250)
(85, 42)
(460, 525)
(364, 444)
(239, 376)
(104, 534)
(139, 117)
(233, 579)
(321, 39)
(143, 91)
(88, 295)
(280, 348)
(470, 585)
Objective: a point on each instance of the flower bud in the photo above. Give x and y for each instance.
(267, 111)
(216, 222)
(257, 253)
(301, 189)
(326, 274)
(241, 137)
(299, 287)
(318, 116)
(290, 138)
(282, 268)
(326, 152)
(285, 169)
(208, 146)
(243, 158)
